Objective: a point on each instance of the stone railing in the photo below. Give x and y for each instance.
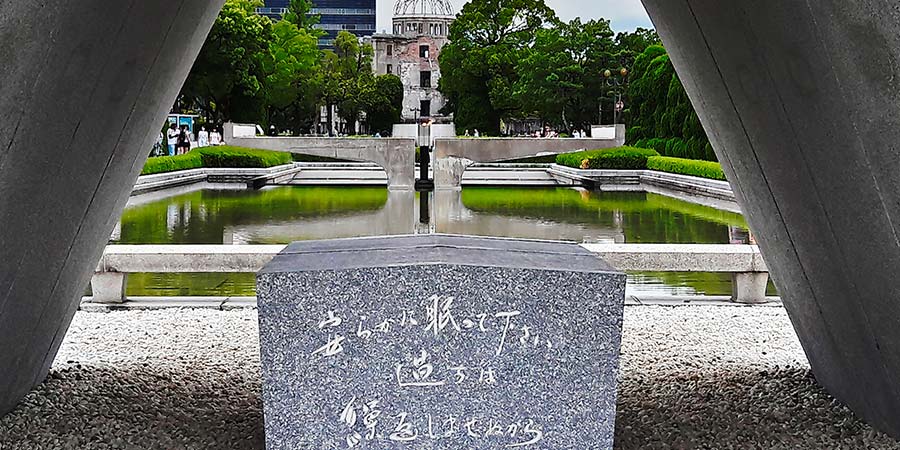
(749, 273)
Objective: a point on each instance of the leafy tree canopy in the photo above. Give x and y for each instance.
(479, 64)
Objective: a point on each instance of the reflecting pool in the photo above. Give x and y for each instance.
(222, 214)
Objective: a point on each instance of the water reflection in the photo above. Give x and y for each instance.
(279, 215)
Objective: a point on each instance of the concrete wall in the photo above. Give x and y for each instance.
(801, 101)
(85, 86)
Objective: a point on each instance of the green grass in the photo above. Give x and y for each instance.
(220, 156)
(164, 164)
(621, 158)
(703, 169)
(237, 157)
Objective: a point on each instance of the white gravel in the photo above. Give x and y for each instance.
(693, 377)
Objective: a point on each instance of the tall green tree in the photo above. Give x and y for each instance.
(661, 115)
(560, 77)
(347, 72)
(291, 78)
(225, 81)
(478, 66)
(384, 103)
(299, 15)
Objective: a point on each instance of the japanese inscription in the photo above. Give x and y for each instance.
(367, 419)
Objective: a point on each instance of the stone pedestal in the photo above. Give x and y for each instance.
(439, 342)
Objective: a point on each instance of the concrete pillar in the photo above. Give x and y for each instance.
(749, 287)
(108, 287)
(85, 86)
(801, 101)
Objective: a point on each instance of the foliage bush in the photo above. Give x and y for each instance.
(236, 157)
(693, 148)
(221, 156)
(165, 164)
(703, 169)
(622, 158)
(661, 116)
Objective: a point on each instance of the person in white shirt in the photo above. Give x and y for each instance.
(172, 136)
(203, 138)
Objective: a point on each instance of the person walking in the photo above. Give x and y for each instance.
(172, 138)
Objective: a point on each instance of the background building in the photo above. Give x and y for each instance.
(274, 9)
(355, 16)
(411, 51)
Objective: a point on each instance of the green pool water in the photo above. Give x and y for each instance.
(214, 214)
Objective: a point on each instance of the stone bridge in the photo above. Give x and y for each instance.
(396, 156)
(453, 156)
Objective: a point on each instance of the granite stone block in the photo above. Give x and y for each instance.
(439, 342)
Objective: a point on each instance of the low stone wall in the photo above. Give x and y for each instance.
(716, 189)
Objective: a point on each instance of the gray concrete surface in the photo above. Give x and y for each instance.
(396, 156)
(453, 156)
(85, 86)
(801, 102)
(691, 378)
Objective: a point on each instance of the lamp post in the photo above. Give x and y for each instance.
(424, 183)
(616, 81)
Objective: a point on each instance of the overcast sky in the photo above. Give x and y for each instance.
(626, 15)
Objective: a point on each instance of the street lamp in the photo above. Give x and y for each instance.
(616, 81)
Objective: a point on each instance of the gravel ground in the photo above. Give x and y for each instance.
(692, 378)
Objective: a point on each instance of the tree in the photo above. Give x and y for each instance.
(347, 73)
(225, 80)
(299, 15)
(560, 77)
(384, 103)
(661, 115)
(291, 78)
(632, 44)
(478, 65)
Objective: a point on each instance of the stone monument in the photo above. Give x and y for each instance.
(439, 342)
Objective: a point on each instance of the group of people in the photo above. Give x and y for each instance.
(179, 140)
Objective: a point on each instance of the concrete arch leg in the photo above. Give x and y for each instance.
(84, 85)
(802, 103)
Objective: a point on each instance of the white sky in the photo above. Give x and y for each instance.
(626, 15)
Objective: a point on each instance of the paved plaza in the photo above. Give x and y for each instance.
(693, 377)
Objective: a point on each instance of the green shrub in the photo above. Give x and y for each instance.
(236, 157)
(221, 156)
(703, 169)
(622, 158)
(163, 164)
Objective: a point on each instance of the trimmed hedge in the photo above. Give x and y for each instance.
(622, 158)
(236, 157)
(679, 148)
(219, 156)
(703, 169)
(165, 164)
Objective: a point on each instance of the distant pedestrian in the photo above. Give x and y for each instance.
(467, 133)
(184, 140)
(477, 134)
(215, 138)
(172, 136)
(203, 138)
